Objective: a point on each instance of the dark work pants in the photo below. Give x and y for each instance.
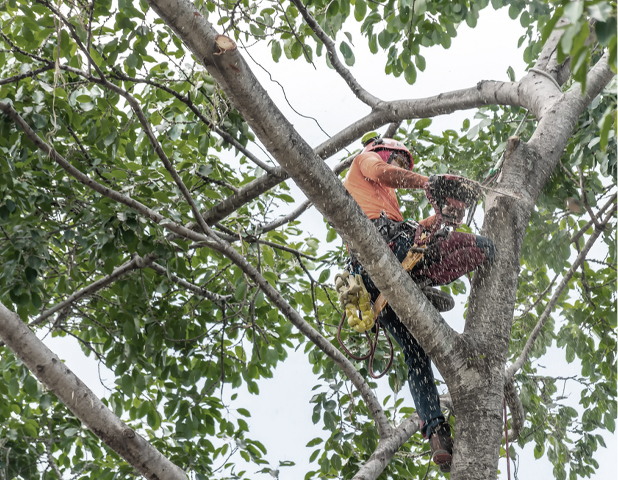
(445, 261)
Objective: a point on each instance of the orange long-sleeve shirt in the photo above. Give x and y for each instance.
(372, 183)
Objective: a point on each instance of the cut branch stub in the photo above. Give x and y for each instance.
(224, 43)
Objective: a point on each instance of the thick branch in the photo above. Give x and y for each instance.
(293, 215)
(136, 262)
(97, 187)
(558, 122)
(387, 448)
(133, 264)
(549, 49)
(78, 398)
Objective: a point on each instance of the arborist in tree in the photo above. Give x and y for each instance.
(383, 166)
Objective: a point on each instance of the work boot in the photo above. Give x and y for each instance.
(441, 444)
(439, 299)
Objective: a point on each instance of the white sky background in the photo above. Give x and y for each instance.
(281, 414)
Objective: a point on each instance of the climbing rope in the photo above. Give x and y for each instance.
(372, 348)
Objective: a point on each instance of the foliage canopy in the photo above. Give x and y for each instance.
(191, 321)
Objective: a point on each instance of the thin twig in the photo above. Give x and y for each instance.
(31, 73)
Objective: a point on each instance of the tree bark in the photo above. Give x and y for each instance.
(78, 398)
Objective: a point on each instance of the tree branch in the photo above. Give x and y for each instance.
(518, 416)
(187, 101)
(31, 73)
(78, 398)
(387, 448)
(585, 228)
(593, 217)
(510, 372)
(293, 215)
(391, 131)
(214, 297)
(362, 94)
(127, 267)
(146, 127)
(103, 190)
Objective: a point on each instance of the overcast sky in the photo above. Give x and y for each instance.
(281, 414)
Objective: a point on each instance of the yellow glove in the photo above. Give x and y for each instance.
(353, 296)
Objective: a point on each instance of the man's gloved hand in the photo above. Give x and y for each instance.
(453, 194)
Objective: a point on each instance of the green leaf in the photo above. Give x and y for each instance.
(410, 74)
(244, 412)
(36, 300)
(31, 274)
(609, 119)
(324, 275)
(606, 31)
(175, 132)
(132, 60)
(70, 432)
(110, 138)
(419, 60)
(511, 73)
(241, 288)
(609, 421)
(314, 455)
(314, 442)
(360, 10)
(514, 10)
(31, 386)
(153, 419)
(347, 53)
(275, 50)
(573, 10)
(39, 120)
(600, 11)
(422, 123)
